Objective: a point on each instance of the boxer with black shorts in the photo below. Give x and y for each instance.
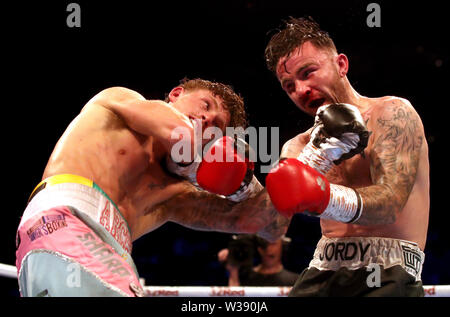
(363, 169)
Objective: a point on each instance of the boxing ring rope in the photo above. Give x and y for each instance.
(10, 271)
(252, 291)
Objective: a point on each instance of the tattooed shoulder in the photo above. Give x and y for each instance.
(395, 153)
(399, 126)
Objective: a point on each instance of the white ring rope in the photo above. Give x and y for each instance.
(227, 291)
(252, 291)
(8, 270)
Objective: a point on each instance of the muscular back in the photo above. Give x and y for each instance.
(392, 176)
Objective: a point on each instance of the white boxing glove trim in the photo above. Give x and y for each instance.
(313, 157)
(321, 159)
(188, 172)
(334, 148)
(246, 191)
(345, 204)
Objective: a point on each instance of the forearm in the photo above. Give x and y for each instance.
(395, 155)
(258, 215)
(150, 118)
(276, 229)
(381, 203)
(158, 119)
(204, 211)
(247, 216)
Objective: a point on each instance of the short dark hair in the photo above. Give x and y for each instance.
(296, 31)
(233, 102)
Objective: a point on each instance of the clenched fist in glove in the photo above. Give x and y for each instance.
(339, 133)
(224, 170)
(294, 187)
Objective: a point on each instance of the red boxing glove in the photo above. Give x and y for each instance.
(295, 187)
(224, 170)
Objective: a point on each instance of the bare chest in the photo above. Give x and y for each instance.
(148, 198)
(354, 172)
(155, 185)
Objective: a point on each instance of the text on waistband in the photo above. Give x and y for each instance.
(344, 251)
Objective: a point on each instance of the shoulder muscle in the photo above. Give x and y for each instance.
(114, 95)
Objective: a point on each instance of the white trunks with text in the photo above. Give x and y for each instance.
(358, 252)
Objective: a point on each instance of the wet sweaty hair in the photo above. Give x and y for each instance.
(233, 102)
(294, 33)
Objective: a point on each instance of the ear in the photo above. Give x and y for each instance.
(175, 93)
(342, 63)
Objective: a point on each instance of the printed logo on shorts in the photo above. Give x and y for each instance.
(104, 254)
(46, 225)
(344, 251)
(116, 226)
(413, 260)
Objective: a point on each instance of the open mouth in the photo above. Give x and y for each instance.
(316, 103)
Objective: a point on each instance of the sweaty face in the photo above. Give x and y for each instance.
(310, 77)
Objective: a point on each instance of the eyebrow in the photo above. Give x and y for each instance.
(283, 81)
(219, 109)
(216, 105)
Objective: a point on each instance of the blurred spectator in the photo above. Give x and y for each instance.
(239, 262)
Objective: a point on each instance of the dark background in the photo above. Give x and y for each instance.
(50, 71)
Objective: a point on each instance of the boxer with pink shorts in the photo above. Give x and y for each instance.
(73, 241)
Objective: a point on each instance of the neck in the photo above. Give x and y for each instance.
(351, 96)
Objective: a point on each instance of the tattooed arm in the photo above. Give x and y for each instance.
(396, 144)
(201, 210)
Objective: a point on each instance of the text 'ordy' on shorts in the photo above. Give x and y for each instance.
(362, 266)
